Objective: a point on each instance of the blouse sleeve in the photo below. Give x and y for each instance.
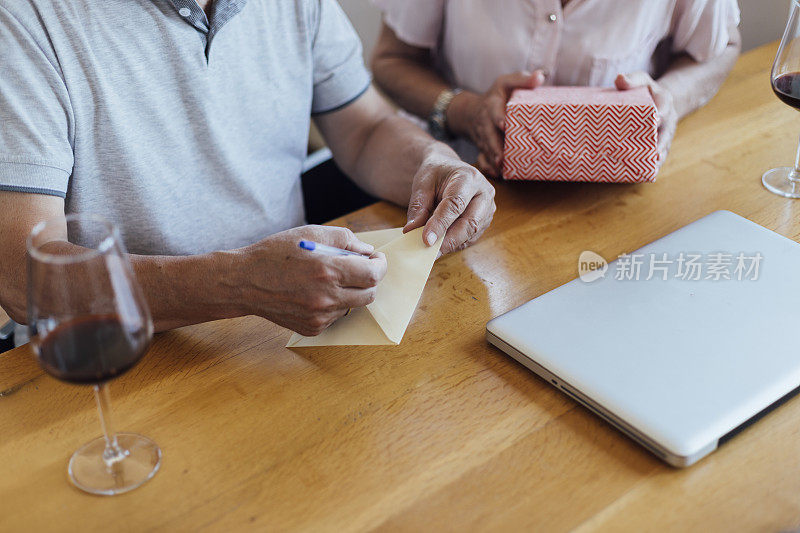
(416, 22)
(702, 28)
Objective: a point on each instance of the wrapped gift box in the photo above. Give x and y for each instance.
(581, 134)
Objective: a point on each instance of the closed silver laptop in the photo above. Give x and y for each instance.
(679, 357)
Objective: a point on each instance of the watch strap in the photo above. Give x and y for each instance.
(437, 121)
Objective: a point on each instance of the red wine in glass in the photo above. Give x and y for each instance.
(785, 80)
(92, 349)
(787, 88)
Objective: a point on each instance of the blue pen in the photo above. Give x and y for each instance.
(324, 249)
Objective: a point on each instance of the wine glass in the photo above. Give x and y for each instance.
(785, 78)
(89, 323)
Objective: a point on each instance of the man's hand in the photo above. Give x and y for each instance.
(665, 104)
(304, 291)
(393, 159)
(450, 198)
(481, 117)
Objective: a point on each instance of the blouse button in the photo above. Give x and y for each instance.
(552, 17)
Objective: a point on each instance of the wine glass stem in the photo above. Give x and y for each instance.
(113, 452)
(794, 175)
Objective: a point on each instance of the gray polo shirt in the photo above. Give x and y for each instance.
(187, 131)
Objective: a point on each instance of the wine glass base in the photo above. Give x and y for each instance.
(89, 472)
(777, 181)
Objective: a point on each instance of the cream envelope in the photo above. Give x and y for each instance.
(385, 320)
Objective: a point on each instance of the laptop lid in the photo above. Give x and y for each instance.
(675, 358)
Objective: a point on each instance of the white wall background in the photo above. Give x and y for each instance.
(762, 21)
(367, 20)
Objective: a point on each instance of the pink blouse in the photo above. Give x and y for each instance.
(588, 42)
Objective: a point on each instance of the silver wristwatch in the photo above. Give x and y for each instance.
(437, 121)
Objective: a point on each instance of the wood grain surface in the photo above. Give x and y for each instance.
(443, 432)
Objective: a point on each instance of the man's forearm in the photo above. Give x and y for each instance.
(184, 290)
(179, 290)
(693, 84)
(378, 149)
(391, 157)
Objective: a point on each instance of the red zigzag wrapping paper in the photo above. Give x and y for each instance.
(581, 134)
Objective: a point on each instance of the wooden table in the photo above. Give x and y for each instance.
(443, 432)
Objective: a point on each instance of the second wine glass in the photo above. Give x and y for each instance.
(785, 79)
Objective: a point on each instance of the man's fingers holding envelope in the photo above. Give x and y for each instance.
(400, 290)
(360, 272)
(470, 225)
(340, 238)
(305, 290)
(465, 210)
(349, 282)
(444, 190)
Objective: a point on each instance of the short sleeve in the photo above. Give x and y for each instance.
(702, 28)
(35, 114)
(340, 76)
(415, 22)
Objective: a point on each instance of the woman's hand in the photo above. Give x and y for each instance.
(481, 117)
(665, 104)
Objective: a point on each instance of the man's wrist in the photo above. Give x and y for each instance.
(437, 153)
(184, 290)
(227, 282)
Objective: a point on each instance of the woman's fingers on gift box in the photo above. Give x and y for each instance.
(518, 80)
(504, 86)
(496, 108)
(476, 121)
(482, 116)
(665, 105)
(485, 168)
(643, 79)
(666, 132)
(492, 124)
(491, 144)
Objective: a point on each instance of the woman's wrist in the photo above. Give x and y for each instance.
(459, 113)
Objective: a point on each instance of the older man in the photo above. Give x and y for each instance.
(186, 124)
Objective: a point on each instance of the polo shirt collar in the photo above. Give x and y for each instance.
(222, 11)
